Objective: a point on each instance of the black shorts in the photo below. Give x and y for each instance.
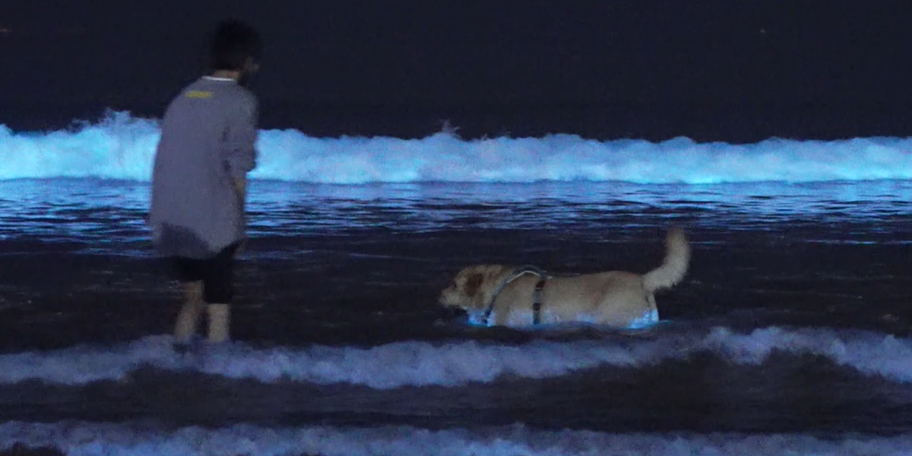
(216, 273)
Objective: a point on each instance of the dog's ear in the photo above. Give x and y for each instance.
(473, 282)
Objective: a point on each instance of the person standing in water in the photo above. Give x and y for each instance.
(199, 180)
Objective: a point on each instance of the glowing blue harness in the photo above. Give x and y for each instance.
(536, 301)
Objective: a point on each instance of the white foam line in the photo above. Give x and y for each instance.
(84, 439)
(450, 364)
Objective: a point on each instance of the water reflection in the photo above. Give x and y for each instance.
(104, 212)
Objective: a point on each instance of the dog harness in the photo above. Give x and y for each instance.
(536, 301)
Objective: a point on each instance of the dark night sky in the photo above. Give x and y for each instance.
(639, 53)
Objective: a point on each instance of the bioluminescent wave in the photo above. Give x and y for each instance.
(122, 147)
(417, 363)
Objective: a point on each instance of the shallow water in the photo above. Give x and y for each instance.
(793, 319)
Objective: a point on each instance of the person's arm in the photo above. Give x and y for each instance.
(240, 185)
(241, 155)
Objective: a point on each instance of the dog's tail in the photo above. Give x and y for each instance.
(674, 266)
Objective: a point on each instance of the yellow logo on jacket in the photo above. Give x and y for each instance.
(198, 94)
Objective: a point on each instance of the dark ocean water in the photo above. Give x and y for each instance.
(790, 334)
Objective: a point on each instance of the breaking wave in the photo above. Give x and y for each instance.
(122, 147)
(416, 363)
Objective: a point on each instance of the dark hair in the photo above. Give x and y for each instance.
(232, 44)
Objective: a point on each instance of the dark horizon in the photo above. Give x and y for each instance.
(713, 71)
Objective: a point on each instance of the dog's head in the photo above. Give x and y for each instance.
(473, 287)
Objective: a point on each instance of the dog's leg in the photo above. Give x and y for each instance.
(653, 310)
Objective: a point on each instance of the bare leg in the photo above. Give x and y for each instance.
(219, 322)
(189, 316)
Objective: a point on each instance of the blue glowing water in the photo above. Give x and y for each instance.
(122, 147)
(790, 332)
